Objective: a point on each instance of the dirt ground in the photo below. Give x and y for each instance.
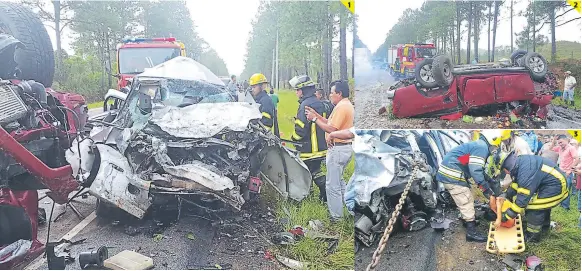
(371, 96)
(453, 253)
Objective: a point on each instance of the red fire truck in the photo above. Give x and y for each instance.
(134, 55)
(403, 58)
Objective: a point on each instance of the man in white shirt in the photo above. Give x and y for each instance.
(569, 85)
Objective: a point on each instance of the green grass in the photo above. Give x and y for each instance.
(95, 105)
(577, 100)
(315, 252)
(560, 249)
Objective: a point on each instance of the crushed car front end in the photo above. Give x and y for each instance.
(183, 137)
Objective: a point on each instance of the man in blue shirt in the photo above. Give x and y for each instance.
(532, 140)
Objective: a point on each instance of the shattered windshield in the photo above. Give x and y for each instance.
(136, 60)
(425, 52)
(155, 94)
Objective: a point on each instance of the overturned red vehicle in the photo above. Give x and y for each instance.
(37, 125)
(441, 89)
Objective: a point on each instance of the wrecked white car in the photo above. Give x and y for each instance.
(179, 134)
(385, 161)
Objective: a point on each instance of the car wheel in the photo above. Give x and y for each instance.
(36, 61)
(516, 56)
(423, 73)
(537, 66)
(442, 70)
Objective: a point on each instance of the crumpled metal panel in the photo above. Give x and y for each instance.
(113, 180)
(204, 120)
(277, 159)
(198, 172)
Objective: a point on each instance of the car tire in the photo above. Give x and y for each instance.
(537, 66)
(36, 61)
(423, 73)
(516, 56)
(442, 70)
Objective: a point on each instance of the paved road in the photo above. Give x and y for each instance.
(195, 241)
(95, 111)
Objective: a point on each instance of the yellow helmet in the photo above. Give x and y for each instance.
(257, 78)
(494, 137)
(506, 134)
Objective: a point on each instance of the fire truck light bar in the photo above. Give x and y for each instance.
(127, 40)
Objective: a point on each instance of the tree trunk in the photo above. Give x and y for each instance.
(326, 42)
(469, 19)
(476, 21)
(553, 30)
(330, 49)
(453, 51)
(457, 4)
(489, 34)
(533, 4)
(496, 13)
(511, 24)
(343, 57)
(57, 12)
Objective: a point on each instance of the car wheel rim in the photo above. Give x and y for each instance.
(536, 64)
(426, 73)
(446, 71)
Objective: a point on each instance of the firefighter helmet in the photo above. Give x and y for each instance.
(301, 81)
(503, 159)
(493, 137)
(257, 78)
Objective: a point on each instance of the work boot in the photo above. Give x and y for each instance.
(532, 237)
(472, 234)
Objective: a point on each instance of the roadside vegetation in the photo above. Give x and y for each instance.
(560, 249)
(320, 254)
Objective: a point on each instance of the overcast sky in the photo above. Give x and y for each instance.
(224, 24)
(376, 18)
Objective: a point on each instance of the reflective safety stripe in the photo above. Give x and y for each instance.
(507, 216)
(523, 191)
(266, 115)
(295, 136)
(533, 228)
(451, 173)
(547, 203)
(516, 208)
(476, 160)
(314, 147)
(300, 123)
(514, 186)
(312, 155)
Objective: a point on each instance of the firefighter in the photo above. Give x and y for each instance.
(464, 162)
(258, 83)
(312, 147)
(538, 186)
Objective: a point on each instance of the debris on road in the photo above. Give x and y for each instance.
(93, 258)
(293, 264)
(129, 260)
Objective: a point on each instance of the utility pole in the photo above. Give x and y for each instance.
(277, 61)
(273, 70)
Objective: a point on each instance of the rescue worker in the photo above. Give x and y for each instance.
(464, 162)
(538, 186)
(312, 147)
(258, 83)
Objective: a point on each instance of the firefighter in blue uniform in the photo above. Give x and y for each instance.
(537, 186)
(258, 83)
(465, 162)
(312, 147)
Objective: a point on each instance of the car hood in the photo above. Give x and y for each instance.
(204, 120)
